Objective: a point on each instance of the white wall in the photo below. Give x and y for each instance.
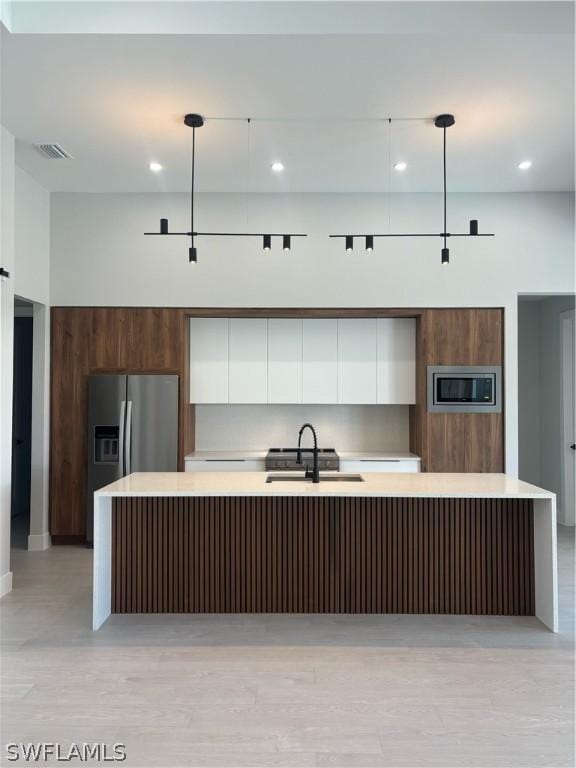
(32, 282)
(6, 349)
(101, 257)
(344, 427)
(529, 416)
(32, 239)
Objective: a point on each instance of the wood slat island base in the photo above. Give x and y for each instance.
(385, 546)
(322, 555)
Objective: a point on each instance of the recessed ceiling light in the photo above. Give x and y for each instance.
(401, 166)
(155, 167)
(277, 167)
(525, 165)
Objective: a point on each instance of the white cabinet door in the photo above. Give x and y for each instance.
(319, 361)
(209, 360)
(247, 356)
(397, 360)
(379, 465)
(284, 360)
(224, 465)
(357, 361)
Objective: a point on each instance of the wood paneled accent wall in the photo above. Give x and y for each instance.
(457, 442)
(96, 340)
(147, 340)
(322, 555)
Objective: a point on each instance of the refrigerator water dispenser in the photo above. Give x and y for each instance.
(106, 444)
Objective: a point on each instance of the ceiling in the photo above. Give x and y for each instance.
(318, 103)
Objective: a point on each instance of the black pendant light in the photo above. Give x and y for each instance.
(443, 122)
(195, 121)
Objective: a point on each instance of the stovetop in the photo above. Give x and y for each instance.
(285, 458)
(304, 448)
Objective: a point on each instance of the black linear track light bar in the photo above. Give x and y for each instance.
(195, 121)
(442, 121)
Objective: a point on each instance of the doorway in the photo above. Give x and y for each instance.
(567, 507)
(546, 397)
(22, 424)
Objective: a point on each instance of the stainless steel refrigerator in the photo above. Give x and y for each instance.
(132, 427)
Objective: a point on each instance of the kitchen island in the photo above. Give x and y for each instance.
(219, 542)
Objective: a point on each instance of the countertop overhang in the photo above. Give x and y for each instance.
(383, 484)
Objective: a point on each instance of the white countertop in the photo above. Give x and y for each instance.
(344, 455)
(425, 484)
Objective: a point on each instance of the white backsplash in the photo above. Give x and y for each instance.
(344, 427)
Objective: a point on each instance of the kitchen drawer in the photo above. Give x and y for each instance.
(224, 465)
(379, 465)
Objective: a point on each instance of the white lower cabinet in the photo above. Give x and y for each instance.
(224, 465)
(379, 465)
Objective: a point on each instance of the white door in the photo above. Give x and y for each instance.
(209, 360)
(247, 354)
(284, 360)
(319, 361)
(357, 361)
(567, 503)
(396, 360)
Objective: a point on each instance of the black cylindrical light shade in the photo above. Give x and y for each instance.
(266, 242)
(445, 255)
(286, 242)
(163, 226)
(369, 242)
(473, 226)
(349, 243)
(192, 255)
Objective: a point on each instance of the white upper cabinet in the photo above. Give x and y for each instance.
(319, 361)
(284, 360)
(396, 360)
(357, 361)
(312, 361)
(209, 360)
(247, 354)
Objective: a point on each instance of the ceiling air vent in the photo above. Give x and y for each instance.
(53, 151)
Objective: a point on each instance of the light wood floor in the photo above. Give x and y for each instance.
(284, 690)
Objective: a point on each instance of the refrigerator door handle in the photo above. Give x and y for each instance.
(121, 438)
(129, 438)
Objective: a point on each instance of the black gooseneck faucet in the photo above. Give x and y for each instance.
(314, 473)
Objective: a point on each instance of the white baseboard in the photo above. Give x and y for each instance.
(37, 542)
(5, 583)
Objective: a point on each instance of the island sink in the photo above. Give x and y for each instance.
(323, 478)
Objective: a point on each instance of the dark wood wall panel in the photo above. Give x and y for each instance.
(322, 555)
(100, 340)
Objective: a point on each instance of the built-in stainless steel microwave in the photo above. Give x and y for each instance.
(464, 389)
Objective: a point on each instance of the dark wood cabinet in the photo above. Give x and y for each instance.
(458, 442)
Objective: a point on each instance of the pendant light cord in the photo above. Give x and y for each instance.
(444, 129)
(192, 185)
